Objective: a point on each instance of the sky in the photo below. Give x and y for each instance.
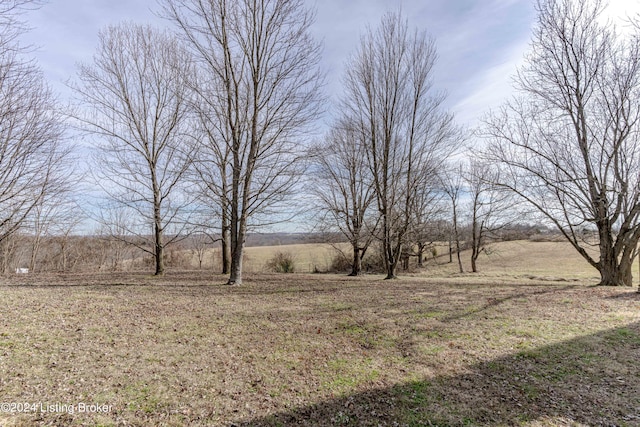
(480, 43)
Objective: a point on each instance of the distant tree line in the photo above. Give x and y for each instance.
(203, 133)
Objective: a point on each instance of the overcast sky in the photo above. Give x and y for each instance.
(480, 42)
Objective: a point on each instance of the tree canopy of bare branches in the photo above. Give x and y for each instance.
(135, 102)
(32, 149)
(491, 207)
(569, 143)
(389, 95)
(260, 81)
(343, 185)
(452, 185)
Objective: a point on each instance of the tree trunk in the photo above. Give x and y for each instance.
(63, 255)
(391, 271)
(390, 260)
(475, 241)
(614, 270)
(225, 230)
(613, 273)
(356, 266)
(475, 250)
(458, 255)
(34, 254)
(157, 226)
(226, 251)
(474, 257)
(159, 252)
(457, 236)
(237, 251)
(235, 277)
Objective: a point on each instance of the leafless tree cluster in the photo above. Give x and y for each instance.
(33, 155)
(257, 91)
(491, 207)
(206, 131)
(569, 143)
(397, 129)
(136, 102)
(344, 189)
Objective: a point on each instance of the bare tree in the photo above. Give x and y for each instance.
(452, 184)
(212, 165)
(426, 226)
(11, 26)
(261, 82)
(69, 251)
(32, 148)
(389, 95)
(56, 214)
(135, 100)
(115, 237)
(569, 145)
(343, 185)
(491, 207)
(200, 244)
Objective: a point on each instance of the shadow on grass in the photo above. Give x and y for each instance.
(592, 380)
(633, 295)
(494, 302)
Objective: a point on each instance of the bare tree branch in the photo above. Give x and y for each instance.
(260, 84)
(389, 95)
(569, 144)
(135, 100)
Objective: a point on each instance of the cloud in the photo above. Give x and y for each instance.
(490, 88)
(65, 32)
(472, 37)
(479, 52)
(491, 85)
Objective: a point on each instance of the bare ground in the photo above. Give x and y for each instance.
(317, 350)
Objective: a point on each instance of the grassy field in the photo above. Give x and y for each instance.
(549, 261)
(525, 342)
(307, 257)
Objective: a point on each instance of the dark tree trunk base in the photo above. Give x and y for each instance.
(614, 284)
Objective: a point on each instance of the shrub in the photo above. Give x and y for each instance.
(374, 261)
(282, 262)
(340, 264)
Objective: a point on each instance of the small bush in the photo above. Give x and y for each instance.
(374, 261)
(282, 262)
(340, 264)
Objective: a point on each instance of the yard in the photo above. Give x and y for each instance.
(303, 349)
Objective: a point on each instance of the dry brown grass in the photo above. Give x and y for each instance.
(320, 350)
(307, 257)
(509, 260)
(517, 260)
